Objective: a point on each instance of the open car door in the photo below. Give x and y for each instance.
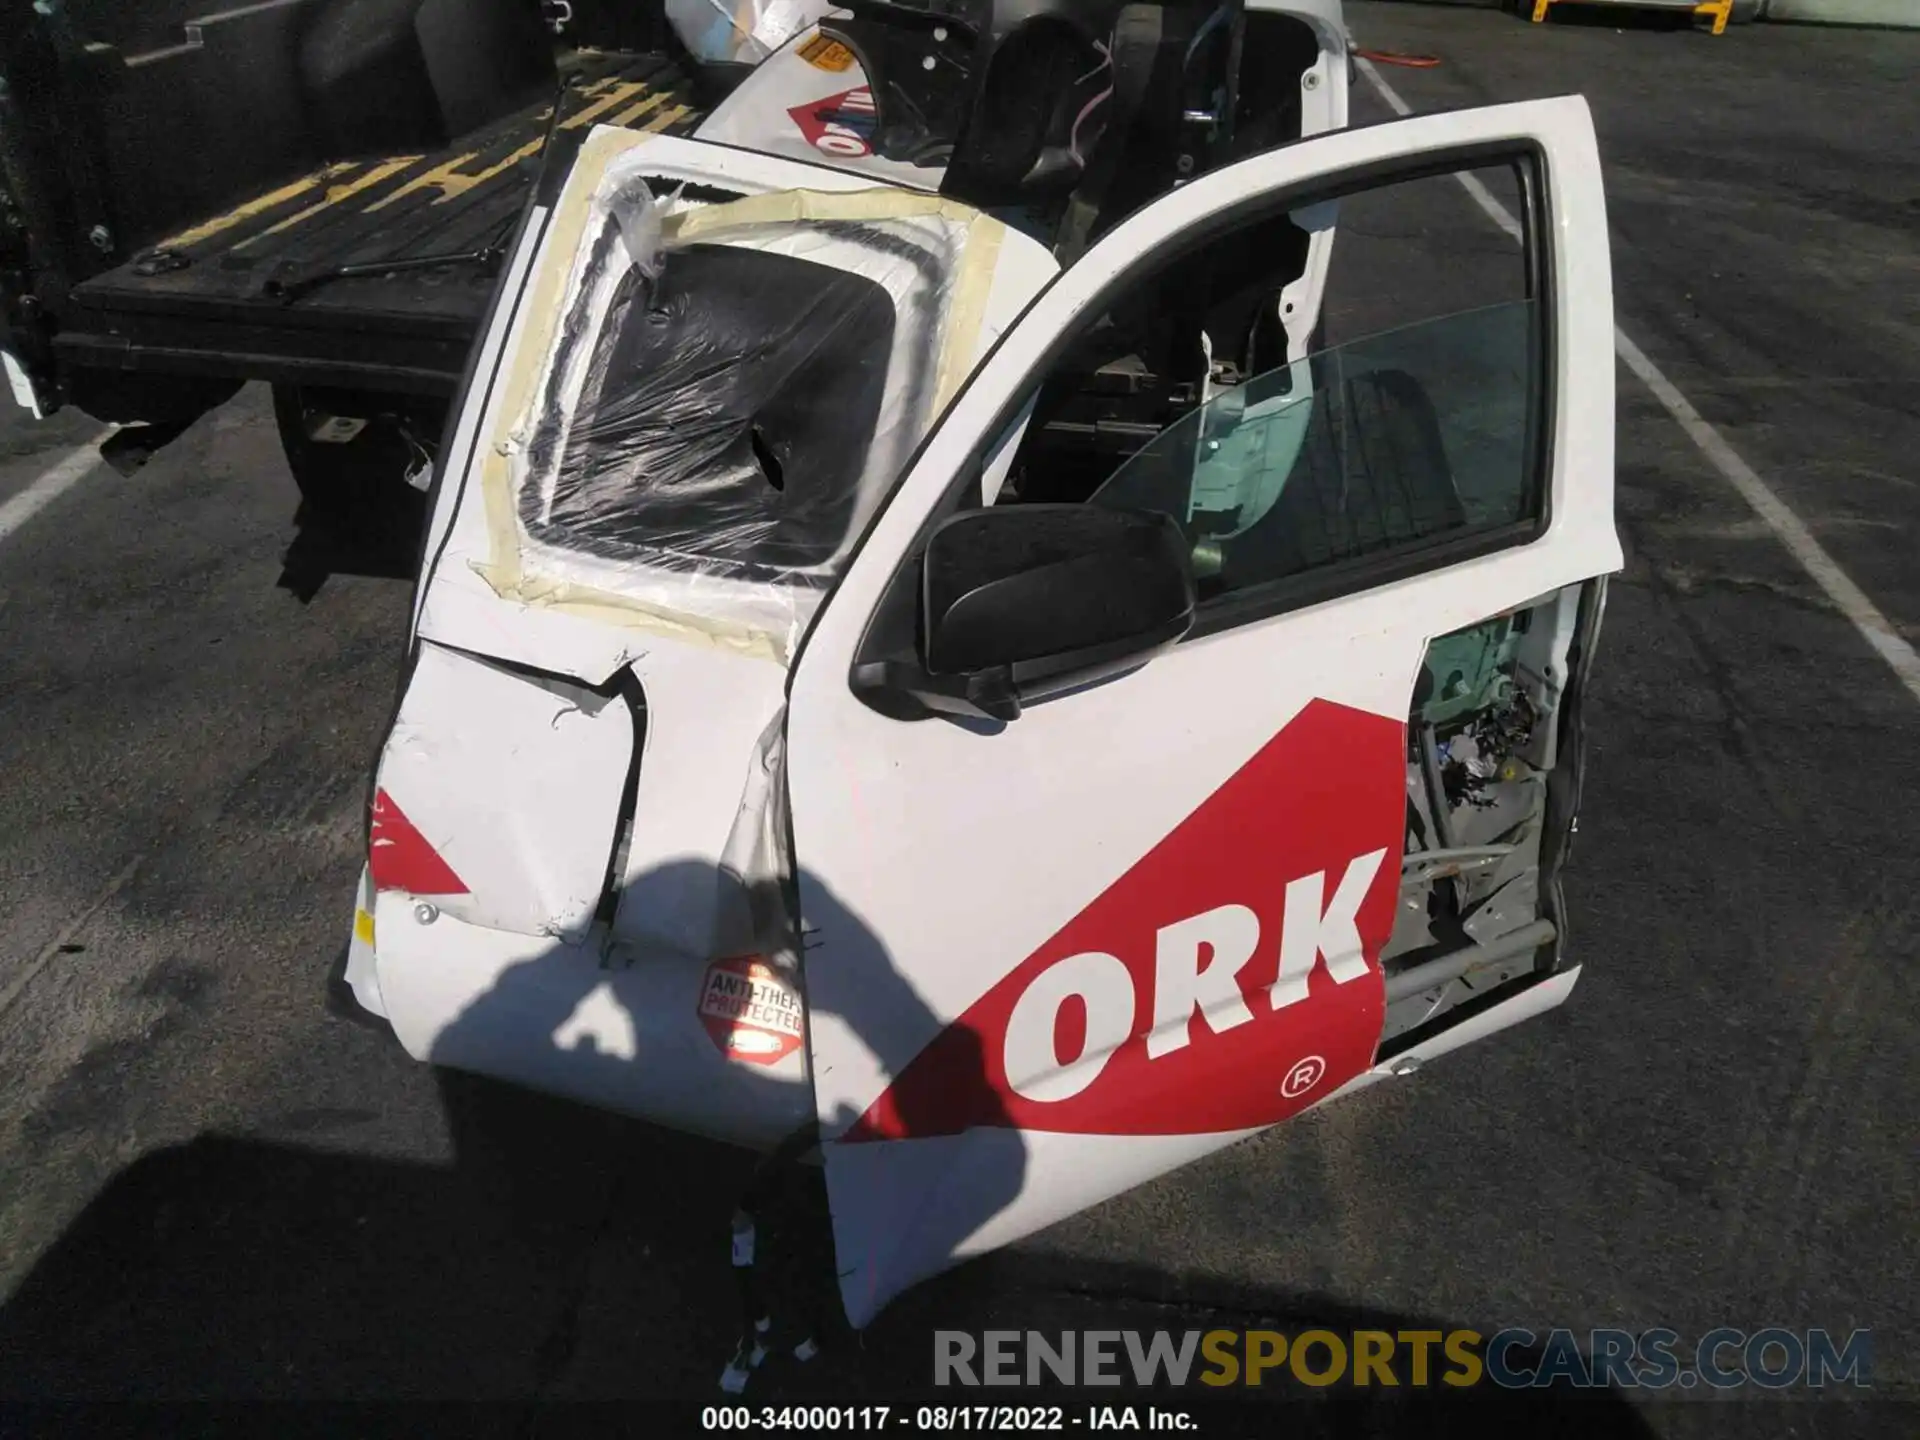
(1064, 935)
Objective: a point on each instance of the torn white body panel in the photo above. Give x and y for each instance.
(514, 783)
(706, 714)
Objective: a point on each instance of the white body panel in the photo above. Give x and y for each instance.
(706, 710)
(515, 785)
(21, 384)
(1241, 795)
(618, 1030)
(1053, 1168)
(1550, 993)
(516, 803)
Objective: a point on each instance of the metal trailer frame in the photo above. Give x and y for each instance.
(1718, 11)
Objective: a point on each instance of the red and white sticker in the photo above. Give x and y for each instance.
(751, 1010)
(840, 124)
(1228, 980)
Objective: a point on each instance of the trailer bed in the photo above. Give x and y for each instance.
(247, 293)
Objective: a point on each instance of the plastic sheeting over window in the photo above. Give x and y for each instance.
(726, 416)
(731, 390)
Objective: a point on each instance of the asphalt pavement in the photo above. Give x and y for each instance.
(211, 1187)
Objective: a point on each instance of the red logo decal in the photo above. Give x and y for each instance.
(840, 124)
(1228, 980)
(751, 1010)
(400, 857)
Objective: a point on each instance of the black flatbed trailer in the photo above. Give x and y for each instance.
(365, 274)
(316, 194)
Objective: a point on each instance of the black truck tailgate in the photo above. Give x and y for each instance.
(241, 294)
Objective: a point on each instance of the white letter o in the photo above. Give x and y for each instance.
(1105, 986)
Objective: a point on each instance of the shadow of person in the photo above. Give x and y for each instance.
(623, 1030)
(568, 1252)
(911, 1196)
(236, 1269)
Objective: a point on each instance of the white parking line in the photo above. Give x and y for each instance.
(1778, 516)
(74, 467)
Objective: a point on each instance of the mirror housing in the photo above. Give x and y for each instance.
(1023, 601)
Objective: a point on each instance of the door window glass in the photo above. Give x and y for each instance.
(1400, 439)
(1352, 377)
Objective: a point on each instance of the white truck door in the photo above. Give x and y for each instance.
(1052, 956)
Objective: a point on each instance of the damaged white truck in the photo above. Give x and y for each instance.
(931, 656)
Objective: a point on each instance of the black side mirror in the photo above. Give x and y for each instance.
(1023, 601)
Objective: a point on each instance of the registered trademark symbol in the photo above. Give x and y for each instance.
(1304, 1075)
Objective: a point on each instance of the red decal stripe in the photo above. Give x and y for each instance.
(400, 857)
(1285, 876)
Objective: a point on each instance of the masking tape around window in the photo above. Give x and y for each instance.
(631, 613)
(968, 288)
(552, 293)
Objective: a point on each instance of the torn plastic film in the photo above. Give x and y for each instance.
(728, 391)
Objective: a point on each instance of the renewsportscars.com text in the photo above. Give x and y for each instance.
(1769, 1358)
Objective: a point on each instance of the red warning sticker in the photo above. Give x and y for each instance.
(751, 1010)
(841, 124)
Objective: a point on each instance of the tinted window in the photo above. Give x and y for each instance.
(1397, 440)
(1413, 415)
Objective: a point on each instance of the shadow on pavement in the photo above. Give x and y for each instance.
(565, 1254)
(129, 448)
(383, 545)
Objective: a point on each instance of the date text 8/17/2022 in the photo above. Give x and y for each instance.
(941, 1419)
